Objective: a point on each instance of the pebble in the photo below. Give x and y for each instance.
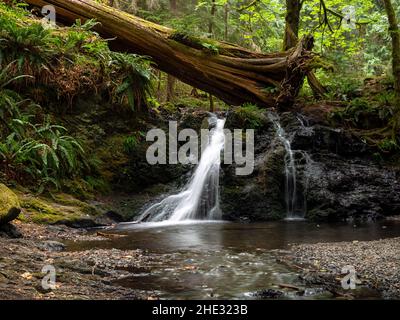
(375, 262)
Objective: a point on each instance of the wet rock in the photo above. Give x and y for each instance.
(53, 246)
(9, 230)
(194, 120)
(340, 188)
(268, 294)
(115, 216)
(337, 177)
(258, 196)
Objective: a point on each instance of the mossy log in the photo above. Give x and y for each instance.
(231, 73)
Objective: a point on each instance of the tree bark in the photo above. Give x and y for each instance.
(212, 107)
(395, 34)
(231, 73)
(171, 82)
(293, 8)
(226, 21)
(212, 17)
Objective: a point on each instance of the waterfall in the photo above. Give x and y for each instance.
(290, 168)
(298, 167)
(199, 199)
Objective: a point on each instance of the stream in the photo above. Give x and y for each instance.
(221, 260)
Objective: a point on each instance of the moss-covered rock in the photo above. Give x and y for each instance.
(61, 209)
(247, 117)
(9, 205)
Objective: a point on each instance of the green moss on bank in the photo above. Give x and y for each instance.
(61, 208)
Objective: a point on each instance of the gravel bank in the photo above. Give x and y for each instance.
(79, 275)
(377, 264)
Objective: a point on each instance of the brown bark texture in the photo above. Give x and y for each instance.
(232, 73)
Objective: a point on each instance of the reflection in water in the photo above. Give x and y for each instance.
(203, 235)
(199, 260)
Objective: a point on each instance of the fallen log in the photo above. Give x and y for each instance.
(231, 73)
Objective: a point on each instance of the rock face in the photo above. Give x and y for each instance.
(9, 205)
(256, 197)
(337, 176)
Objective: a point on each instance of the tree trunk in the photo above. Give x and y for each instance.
(212, 17)
(231, 73)
(226, 21)
(395, 34)
(212, 107)
(171, 82)
(293, 8)
(173, 6)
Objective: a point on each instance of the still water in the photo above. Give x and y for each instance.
(220, 260)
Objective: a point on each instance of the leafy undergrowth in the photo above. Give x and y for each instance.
(366, 107)
(65, 62)
(45, 71)
(373, 115)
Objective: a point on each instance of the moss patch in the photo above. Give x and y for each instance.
(60, 209)
(9, 204)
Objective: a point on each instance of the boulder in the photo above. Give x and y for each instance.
(53, 246)
(9, 205)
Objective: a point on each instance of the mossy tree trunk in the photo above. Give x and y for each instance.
(231, 73)
(395, 34)
(291, 38)
(293, 8)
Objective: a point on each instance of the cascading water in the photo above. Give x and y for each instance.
(290, 168)
(199, 199)
(298, 167)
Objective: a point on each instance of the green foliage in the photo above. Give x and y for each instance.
(36, 153)
(68, 61)
(363, 113)
(131, 78)
(388, 145)
(130, 144)
(44, 153)
(30, 45)
(250, 116)
(340, 86)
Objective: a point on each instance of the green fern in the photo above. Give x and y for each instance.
(132, 76)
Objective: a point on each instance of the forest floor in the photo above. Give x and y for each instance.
(376, 265)
(79, 275)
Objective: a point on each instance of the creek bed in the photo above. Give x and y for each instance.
(221, 260)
